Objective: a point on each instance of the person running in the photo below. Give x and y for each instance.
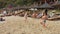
(44, 18)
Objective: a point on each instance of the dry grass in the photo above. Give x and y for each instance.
(17, 25)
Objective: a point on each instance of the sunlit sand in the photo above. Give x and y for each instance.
(17, 25)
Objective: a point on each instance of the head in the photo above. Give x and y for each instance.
(44, 14)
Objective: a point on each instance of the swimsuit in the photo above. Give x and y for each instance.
(44, 21)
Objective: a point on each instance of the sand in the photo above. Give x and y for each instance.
(17, 25)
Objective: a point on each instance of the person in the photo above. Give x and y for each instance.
(34, 15)
(44, 18)
(25, 16)
(4, 12)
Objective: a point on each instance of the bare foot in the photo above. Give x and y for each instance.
(41, 23)
(44, 26)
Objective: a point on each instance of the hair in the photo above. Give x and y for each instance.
(46, 11)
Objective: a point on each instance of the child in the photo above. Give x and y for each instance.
(43, 19)
(25, 16)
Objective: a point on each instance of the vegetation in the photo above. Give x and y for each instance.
(6, 3)
(57, 10)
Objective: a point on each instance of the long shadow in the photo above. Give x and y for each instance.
(57, 19)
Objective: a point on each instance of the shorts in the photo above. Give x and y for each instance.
(44, 21)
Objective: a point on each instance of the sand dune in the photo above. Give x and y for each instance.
(17, 25)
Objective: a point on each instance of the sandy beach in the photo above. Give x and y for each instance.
(17, 25)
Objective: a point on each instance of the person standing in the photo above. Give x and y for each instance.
(25, 16)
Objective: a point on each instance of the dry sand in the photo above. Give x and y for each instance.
(17, 25)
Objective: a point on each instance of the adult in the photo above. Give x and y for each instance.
(34, 15)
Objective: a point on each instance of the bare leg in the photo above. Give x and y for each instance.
(44, 25)
(25, 19)
(41, 22)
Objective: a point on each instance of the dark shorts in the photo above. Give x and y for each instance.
(44, 21)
